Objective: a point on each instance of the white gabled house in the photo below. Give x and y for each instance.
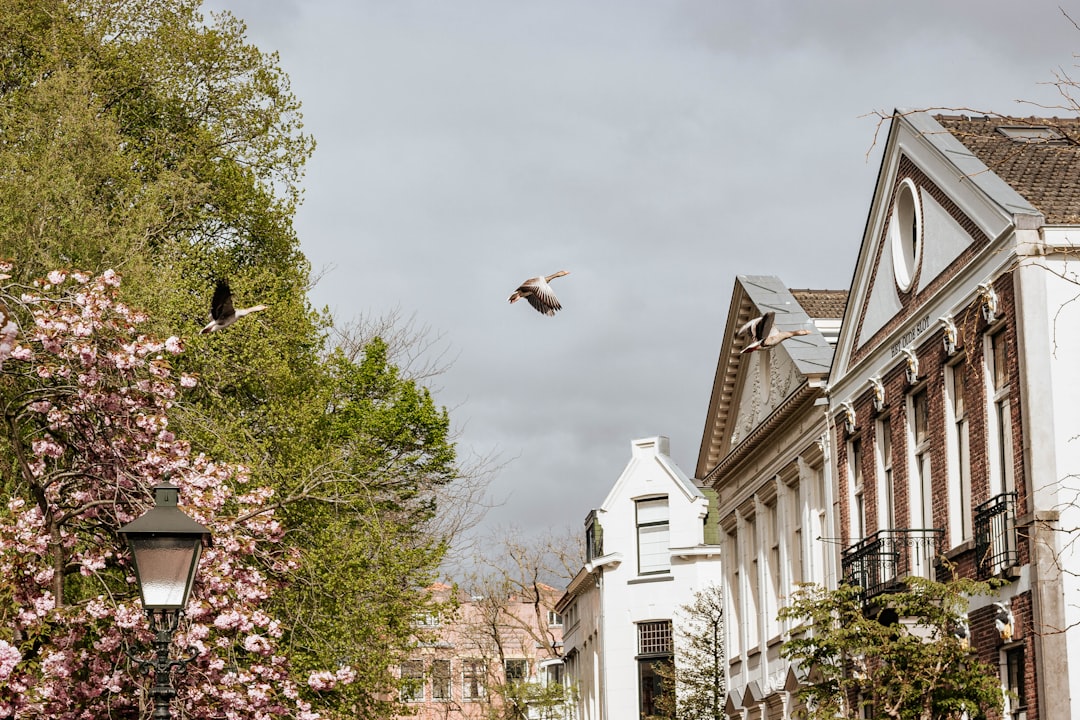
(649, 547)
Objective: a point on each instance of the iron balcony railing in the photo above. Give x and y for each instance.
(881, 562)
(995, 535)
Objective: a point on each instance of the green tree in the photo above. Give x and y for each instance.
(141, 136)
(897, 657)
(694, 684)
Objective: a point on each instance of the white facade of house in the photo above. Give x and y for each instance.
(647, 556)
(765, 452)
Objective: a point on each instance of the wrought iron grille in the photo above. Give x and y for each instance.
(995, 534)
(882, 561)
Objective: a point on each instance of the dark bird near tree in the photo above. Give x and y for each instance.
(763, 335)
(537, 291)
(222, 313)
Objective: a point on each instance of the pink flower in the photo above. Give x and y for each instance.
(9, 658)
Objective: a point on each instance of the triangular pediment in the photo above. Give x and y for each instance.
(935, 209)
(749, 387)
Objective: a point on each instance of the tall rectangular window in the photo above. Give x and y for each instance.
(921, 508)
(440, 680)
(734, 600)
(753, 585)
(1014, 681)
(858, 499)
(1001, 455)
(655, 648)
(886, 491)
(654, 554)
(794, 522)
(472, 679)
(959, 456)
(771, 534)
(412, 681)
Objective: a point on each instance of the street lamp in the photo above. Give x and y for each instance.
(166, 545)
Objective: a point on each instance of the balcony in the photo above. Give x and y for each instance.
(995, 535)
(881, 562)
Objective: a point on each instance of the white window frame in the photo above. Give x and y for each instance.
(447, 680)
(958, 448)
(479, 674)
(414, 694)
(1000, 450)
(886, 480)
(655, 531)
(856, 488)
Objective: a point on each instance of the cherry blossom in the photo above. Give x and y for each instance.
(90, 396)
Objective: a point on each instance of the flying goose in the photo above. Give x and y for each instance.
(763, 335)
(537, 291)
(222, 312)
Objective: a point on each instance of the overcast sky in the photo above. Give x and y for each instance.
(656, 149)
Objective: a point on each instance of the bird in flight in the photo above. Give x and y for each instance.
(763, 335)
(537, 291)
(222, 313)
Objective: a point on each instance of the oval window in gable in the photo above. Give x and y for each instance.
(905, 234)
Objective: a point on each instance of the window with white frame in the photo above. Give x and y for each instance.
(472, 679)
(771, 536)
(793, 519)
(517, 669)
(412, 681)
(921, 508)
(654, 555)
(1001, 442)
(959, 453)
(554, 619)
(553, 673)
(734, 596)
(821, 567)
(886, 490)
(858, 499)
(753, 585)
(1013, 669)
(440, 680)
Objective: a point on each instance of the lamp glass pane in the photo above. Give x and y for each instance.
(165, 566)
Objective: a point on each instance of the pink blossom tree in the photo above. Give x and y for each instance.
(85, 399)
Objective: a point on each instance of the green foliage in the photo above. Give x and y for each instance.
(139, 135)
(895, 658)
(534, 701)
(694, 685)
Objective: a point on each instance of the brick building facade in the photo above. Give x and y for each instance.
(951, 400)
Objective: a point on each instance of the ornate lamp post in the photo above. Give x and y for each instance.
(166, 545)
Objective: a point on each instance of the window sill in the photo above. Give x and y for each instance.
(650, 579)
(959, 550)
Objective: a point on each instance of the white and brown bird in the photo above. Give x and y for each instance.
(1004, 621)
(537, 291)
(763, 335)
(222, 312)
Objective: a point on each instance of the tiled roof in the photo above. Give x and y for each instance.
(822, 303)
(1043, 172)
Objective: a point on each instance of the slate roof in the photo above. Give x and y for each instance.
(822, 303)
(812, 353)
(1043, 172)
